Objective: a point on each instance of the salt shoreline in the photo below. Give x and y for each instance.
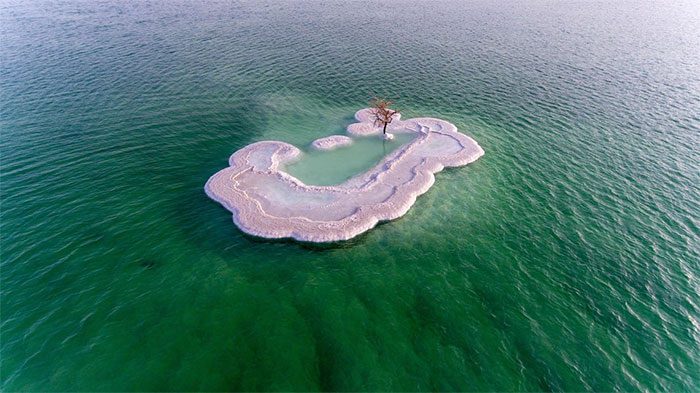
(268, 202)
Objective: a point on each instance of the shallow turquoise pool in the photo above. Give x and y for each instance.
(317, 167)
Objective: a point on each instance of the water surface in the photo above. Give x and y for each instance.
(566, 258)
(323, 168)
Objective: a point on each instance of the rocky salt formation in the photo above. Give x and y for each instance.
(268, 202)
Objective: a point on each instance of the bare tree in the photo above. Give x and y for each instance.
(382, 114)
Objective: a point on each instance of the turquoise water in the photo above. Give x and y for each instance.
(566, 258)
(332, 167)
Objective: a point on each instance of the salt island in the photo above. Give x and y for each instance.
(267, 201)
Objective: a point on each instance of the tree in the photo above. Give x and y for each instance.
(382, 114)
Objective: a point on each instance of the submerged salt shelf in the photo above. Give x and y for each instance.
(267, 201)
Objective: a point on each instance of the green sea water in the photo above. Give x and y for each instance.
(566, 258)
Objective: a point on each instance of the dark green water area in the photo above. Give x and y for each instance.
(566, 258)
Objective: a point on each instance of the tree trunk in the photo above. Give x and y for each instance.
(385, 128)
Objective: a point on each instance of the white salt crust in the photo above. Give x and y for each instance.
(268, 202)
(331, 142)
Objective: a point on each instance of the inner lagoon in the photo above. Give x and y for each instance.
(325, 168)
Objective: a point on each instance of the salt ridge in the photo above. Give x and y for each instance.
(268, 202)
(331, 142)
